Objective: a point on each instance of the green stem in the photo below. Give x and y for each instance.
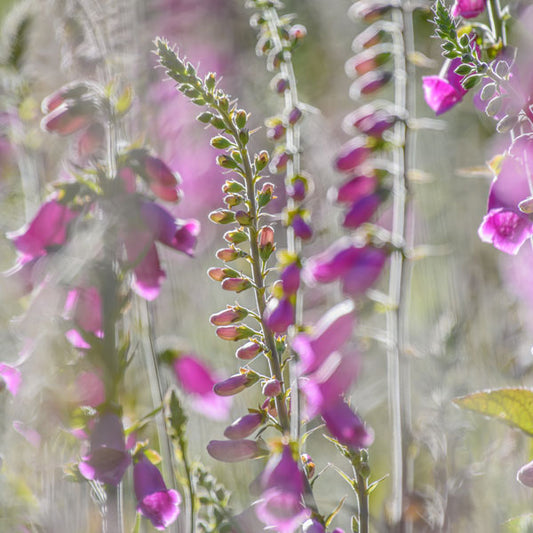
(362, 495)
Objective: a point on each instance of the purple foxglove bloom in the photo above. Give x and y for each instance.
(301, 228)
(313, 526)
(468, 8)
(271, 388)
(525, 475)
(162, 181)
(248, 351)
(154, 501)
(352, 154)
(280, 506)
(233, 451)
(244, 426)
(10, 378)
(370, 82)
(324, 387)
(235, 384)
(439, 94)
(345, 426)
(364, 272)
(362, 210)
(504, 225)
(108, 458)
(356, 188)
(196, 379)
(279, 315)
(297, 190)
(330, 333)
(290, 279)
(47, 229)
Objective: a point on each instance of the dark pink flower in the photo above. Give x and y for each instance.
(290, 279)
(271, 388)
(154, 501)
(364, 271)
(244, 426)
(345, 426)
(10, 378)
(356, 188)
(108, 458)
(235, 384)
(279, 315)
(352, 154)
(282, 483)
(301, 228)
(196, 379)
(362, 210)
(69, 118)
(233, 451)
(504, 225)
(332, 331)
(468, 8)
(48, 228)
(248, 351)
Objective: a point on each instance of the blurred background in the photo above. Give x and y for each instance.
(470, 307)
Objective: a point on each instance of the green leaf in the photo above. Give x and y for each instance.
(512, 406)
(124, 101)
(374, 485)
(335, 511)
(520, 524)
(137, 526)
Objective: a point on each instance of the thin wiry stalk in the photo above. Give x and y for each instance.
(398, 286)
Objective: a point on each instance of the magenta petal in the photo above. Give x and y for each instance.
(48, 228)
(281, 510)
(11, 378)
(346, 426)
(186, 236)
(279, 315)
(439, 94)
(505, 230)
(468, 8)
(364, 272)
(233, 451)
(361, 211)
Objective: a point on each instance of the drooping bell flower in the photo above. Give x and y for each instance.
(332, 331)
(48, 228)
(108, 459)
(197, 380)
(244, 426)
(444, 91)
(71, 91)
(280, 506)
(345, 426)
(504, 225)
(233, 451)
(325, 386)
(154, 500)
(10, 378)
(468, 8)
(162, 181)
(364, 271)
(279, 315)
(362, 210)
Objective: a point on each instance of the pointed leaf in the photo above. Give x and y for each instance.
(335, 511)
(512, 406)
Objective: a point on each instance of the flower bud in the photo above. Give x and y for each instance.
(240, 118)
(352, 154)
(231, 200)
(370, 121)
(362, 210)
(309, 465)
(233, 451)
(290, 279)
(222, 216)
(71, 91)
(225, 161)
(261, 160)
(220, 274)
(297, 190)
(230, 254)
(295, 115)
(279, 161)
(271, 388)
(236, 284)
(66, 119)
(265, 194)
(248, 351)
(277, 132)
(356, 188)
(231, 186)
(370, 37)
(236, 383)
(243, 218)
(265, 241)
(228, 316)
(468, 8)
(244, 426)
(525, 475)
(369, 83)
(279, 84)
(234, 333)
(297, 32)
(368, 60)
(279, 315)
(235, 236)
(370, 11)
(301, 228)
